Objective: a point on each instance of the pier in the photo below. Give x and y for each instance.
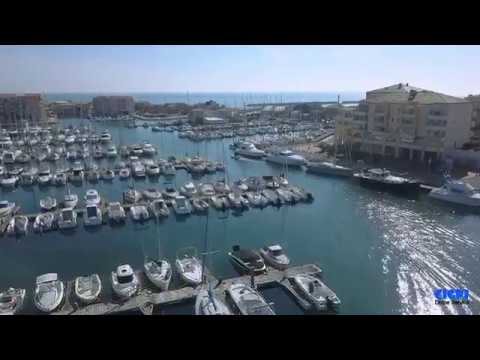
(149, 298)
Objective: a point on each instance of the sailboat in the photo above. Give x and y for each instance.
(329, 168)
(206, 302)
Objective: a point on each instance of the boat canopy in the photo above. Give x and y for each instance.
(47, 278)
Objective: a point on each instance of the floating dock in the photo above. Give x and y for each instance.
(149, 298)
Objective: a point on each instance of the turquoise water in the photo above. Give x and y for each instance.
(381, 254)
(228, 98)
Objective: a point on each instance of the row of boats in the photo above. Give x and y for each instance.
(50, 292)
(153, 203)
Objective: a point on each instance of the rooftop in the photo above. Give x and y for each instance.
(404, 93)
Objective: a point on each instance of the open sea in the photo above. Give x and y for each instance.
(228, 98)
(380, 253)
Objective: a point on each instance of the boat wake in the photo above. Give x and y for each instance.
(421, 252)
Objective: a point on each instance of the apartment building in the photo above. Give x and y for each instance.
(67, 109)
(407, 122)
(16, 110)
(113, 105)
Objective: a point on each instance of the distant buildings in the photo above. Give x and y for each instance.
(403, 121)
(67, 109)
(18, 110)
(113, 105)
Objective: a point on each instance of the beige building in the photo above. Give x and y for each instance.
(113, 105)
(67, 109)
(18, 110)
(407, 122)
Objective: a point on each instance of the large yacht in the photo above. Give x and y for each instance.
(458, 192)
(383, 179)
(329, 168)
(249, 150)
(286, 157)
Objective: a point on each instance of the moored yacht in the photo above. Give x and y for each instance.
(125, 282)
(248, 300)
(49, 292)
(67, 218)
(457, 192)
(92, 215)
(11, 301)
(286, 157)
(88, 288)
(116, 212)
(181, 205)
(247, 149)
(275, 256)
(247, 260)
(316, 292)
(159, 272)
(383, 179)
(92, 197)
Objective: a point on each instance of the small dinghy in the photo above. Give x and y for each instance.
(200, 205)
(190, 269)
(44, 222)
(49, 293)
(248, 301)
(88, 288)
(159, 272)
(152, 194)
(159, 208)
(125, 283)
(48, 204)
(275, 257)
(11, 301)
(17, 225)
(317, 293)
(207, 303)
(139, 213)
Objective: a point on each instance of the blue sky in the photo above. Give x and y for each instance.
(449, 69)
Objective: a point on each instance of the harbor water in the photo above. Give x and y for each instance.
(380, 253)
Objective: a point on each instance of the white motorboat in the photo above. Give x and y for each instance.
(88, 288)
(60, 178)
(255, 199)
(112, 151)
(108, 174)
(49, 293)
(247, 260)
(153, 170)
(247, 149)
(169, 170)
(159, 272)
(234, 199)
(170, 193)
(125, 283)
(116, 212)
(152, 194)
(159, 208)
(6, 207)
(138, 169)
(67, 218)
(200, 205)
(329, 168)
(92, 197)
(286, 157)
(220, 187)
(275, 256)
(17, 225)
(457, 192)
(207, 303)
(190, 269)
(48, 204)
(207, 190)
(9, 181)
(181, 205)
(11, 301)
(139, 213)
(44, 222)
(44, 176)
(69, 140)
(188, 189)
(148, 149)
(248, 301)
(132, 196)
(92, 215)
(136, 150)
(70, 200)
(105, 137)
(316, 292)
(124, 173)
